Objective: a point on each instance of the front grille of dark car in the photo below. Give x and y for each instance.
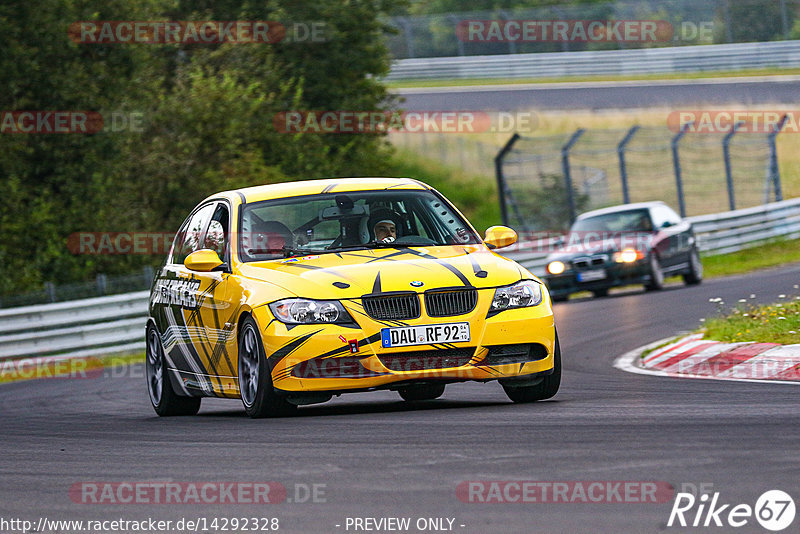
(427, 359)
(452, 302)
(392, 307)
(584, 262)
(506, 354)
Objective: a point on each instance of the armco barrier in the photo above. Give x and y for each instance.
(724, 57)
(114, 324)
(103, 325)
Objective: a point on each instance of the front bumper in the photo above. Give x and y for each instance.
(617, 274)
(318, 358)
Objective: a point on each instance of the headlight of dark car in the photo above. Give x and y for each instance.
(520, 295)
(307, 311)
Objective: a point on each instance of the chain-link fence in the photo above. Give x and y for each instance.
(472, 156)
(680, 22)
(102, 285)
(545, 182)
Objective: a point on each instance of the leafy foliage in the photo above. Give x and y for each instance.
(206, 114)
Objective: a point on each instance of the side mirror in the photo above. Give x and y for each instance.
(499, 237)
(203, 260)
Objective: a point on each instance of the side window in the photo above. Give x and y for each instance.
(188, 238)
(216, 237)
(663, 214)
(672, 217)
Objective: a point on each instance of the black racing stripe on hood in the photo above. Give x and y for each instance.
(443, 263)
(376, 287)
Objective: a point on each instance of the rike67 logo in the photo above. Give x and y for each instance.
(774, 510)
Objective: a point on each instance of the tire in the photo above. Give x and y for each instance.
(422, 393)
(255, 377)
(695, 274)
(163, 398)
(545, 389)
(600, 292)
(656, 282)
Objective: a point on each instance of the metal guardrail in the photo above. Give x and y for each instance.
(115, 324)
(725, 57)
(103, 325)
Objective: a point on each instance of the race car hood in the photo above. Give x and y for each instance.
(362, 272)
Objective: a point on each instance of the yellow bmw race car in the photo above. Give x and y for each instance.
(287, 294)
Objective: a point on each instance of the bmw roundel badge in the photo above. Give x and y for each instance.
(417, 283)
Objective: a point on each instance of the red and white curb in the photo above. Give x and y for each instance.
(694, 357)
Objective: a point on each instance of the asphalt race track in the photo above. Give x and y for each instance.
(379, 457)
(781, 90)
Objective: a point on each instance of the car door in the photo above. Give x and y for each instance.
(193, 306)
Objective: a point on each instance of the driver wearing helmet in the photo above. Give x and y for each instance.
(384, 223)
(385, 231)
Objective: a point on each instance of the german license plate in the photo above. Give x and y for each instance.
(590, 276)
(404, 336)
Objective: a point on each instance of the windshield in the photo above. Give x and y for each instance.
(623, 221)
(334, 222)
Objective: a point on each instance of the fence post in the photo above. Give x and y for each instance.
(726, 154)
(502, 191)
(726, 12)
(459, 40)
(774, 171)
(512, 46)
(784, 20)
(408, 33)
(676, 163)
(51, 291)
(149, 274)
(567, 173)
(623, 168)
(102, 283)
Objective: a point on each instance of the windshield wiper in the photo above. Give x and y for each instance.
(286, 251)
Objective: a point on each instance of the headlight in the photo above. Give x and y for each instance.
(520, 295)
(305, 311)
(628, 255)
(556, 267)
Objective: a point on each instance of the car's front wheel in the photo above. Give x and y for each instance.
(656, 282)
(695, 274)
(422, 392)
(546, 388)
(255, 379)
(163, 398)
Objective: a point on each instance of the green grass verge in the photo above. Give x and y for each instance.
(774, 323)
(475, 196)
(771, 254)
(398, 84)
